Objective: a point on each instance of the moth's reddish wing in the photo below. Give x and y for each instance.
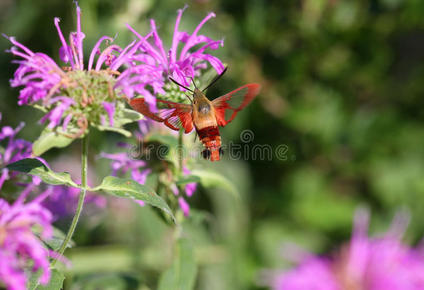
(175, 116)
(227, 106)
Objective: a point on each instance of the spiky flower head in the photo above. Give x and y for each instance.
(187, 58)
(21, 251)
(77, 95)
(364, 263)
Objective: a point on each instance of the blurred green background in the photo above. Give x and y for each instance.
(342, 91)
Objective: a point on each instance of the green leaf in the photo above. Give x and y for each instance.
(128, 188)
(126, 116)
(55, 283)
(55, 242)
(114, 129)
(169, 140)
(213, 179)
(182, 274)
(106, 281)
(130, 116)
(37, 168)
(49, 139)
(171, 143)
(187, 179)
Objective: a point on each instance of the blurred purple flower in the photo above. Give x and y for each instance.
(16, 149)
(110, 110)
(19, 247)
(184, 206)
(56, 114)
(42, 79)
(190, 188)
(63, 201)
(365, 263)
(314, 273)
(13, 150)
(121, 163)
(144, 127)
(153, 64)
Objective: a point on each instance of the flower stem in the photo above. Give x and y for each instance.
(180, 150)
(74, 223)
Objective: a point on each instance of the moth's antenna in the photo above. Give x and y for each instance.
(215, 79)
(193, 82)
(191, 100)
(177, 83)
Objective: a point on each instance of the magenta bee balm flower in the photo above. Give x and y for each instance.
(121, 163)
(21, 251)
(63, 200)
(185, 59)
(190, 188)
(124, 164)
(78, 95)
(13, 149)
(365, 263)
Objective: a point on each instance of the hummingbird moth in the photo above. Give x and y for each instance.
(202, 114)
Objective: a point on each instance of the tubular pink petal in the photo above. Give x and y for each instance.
(66, 122)
(62, 39)
(187, 46)
(14, 51)
(79, 38)
(158, 41)
(103, 56)
(124, 55)
(184, 206)
(118, 61)
(73, 40)
(175, 39)
(110, 110)
(24, 194)
(211, 45)
(21, 46)
(63, 54)
(214, 62)
(96, 49)
(146, 46)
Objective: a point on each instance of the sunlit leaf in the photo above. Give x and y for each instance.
(55, 242)
(164, 139)
(37, 168)
(49, 139)
(55, 283)
(112, 281)
(114, 129)
(187, 179)
(129, 116)
(129, 188)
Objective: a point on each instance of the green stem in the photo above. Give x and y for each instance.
(74, 223)
(179, 216)
(180, 150)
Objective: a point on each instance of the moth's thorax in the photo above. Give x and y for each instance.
(203, 111)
